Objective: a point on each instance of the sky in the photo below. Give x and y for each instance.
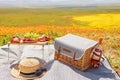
(30, 3)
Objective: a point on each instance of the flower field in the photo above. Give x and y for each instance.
(104, 21)
(88, 24)
(111, 38)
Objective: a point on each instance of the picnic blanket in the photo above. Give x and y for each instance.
(55, 69)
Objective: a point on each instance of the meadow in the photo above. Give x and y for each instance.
(92, 23)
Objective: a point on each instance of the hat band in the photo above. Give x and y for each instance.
(27, 73)
(38, 72)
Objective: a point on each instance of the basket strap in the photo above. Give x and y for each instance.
(100, 56)
(58, 52)
(74, 56)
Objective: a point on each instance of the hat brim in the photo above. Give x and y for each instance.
(16, 73)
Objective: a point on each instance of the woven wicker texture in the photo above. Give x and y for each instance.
(83, 63)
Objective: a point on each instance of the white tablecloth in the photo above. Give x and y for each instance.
(56, 69)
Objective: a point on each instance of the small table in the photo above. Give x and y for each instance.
(22, 43)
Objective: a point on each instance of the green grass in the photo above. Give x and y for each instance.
(52, 17)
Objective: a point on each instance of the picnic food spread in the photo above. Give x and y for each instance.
(17, 39)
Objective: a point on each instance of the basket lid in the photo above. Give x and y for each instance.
(73, 44)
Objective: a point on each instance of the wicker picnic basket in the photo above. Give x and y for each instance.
(63, 49)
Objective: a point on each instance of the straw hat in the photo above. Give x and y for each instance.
(28, 68)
